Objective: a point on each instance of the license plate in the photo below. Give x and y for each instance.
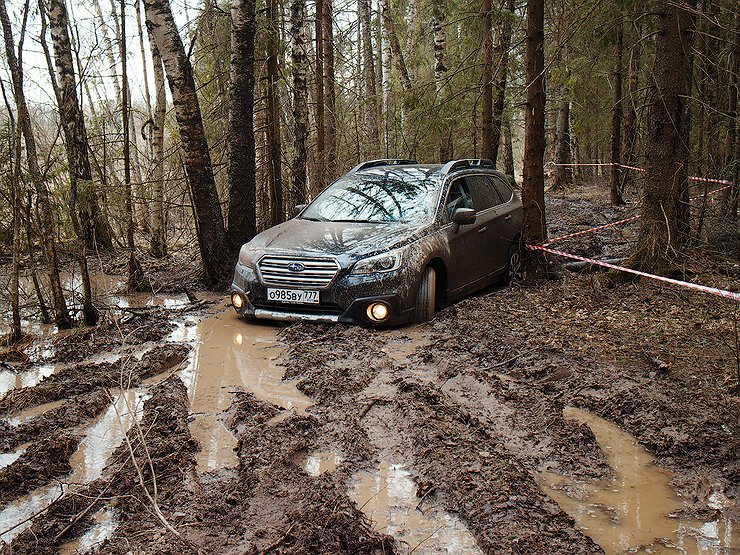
(298, 296)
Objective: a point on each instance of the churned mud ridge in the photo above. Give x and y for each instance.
(83, 378)
(44, 460)
(74, 412)
(273, 504)
(654, 360)
(163, 449)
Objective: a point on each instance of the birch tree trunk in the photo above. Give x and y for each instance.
(299, 64)
(242, 216)
(563, 172)
(61, 314)
(440, 68)
(158, 244)
(319, 167)
(89, 223)
(533, 187)
(657, 247)
(370, 112)
(199, 172)
(394, 45)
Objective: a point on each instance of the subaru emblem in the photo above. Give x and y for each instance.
(296, 267)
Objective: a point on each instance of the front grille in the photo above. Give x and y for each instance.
(317, 273)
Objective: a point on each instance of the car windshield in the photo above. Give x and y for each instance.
(378, 195)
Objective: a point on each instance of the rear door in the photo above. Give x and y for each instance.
(493, 245)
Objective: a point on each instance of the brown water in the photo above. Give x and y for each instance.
(319, 462)
(387, 496)
(628, 513)
(105, 525)
(233, 355)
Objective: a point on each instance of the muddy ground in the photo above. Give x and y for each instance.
(459, 420)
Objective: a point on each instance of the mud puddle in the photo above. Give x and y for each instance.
(105, 525)
(88, 461)
(232, 355)
(319, 462)
(9, 379)
(629, 512)
(387, 496)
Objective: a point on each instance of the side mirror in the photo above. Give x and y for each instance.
(464, 216)
(298, 209)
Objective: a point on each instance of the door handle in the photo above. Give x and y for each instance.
(507, 217)
(482, 229)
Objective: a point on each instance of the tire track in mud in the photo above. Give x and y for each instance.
(162, 448)
(473, 465)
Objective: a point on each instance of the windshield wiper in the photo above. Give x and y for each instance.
(362, 221)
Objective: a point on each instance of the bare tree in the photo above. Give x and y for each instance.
(242, 217)
(533, 188)
(158, 243)
(487, 116)
(199, 171)
(273, 114)
(330, 110)
(370, 112)
(299, 68)
(61, 314)
(501, 53)
(657, 248)
(89, 222)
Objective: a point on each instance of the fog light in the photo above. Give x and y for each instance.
(237, 300)
(378, 312)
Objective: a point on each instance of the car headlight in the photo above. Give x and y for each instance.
(248, 256)
(386, 262)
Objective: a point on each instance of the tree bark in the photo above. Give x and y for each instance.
(89, 222)
(330, 112)
(61, 314)
(501, 53)
(533, 187)
(616, 138)
(319, 163)
(299, 68)
(630, 110)
(732, 154)
(487, 115)
(370, 112)
(199, 171)
(273, 116)
(508, 149)
(394, 45)
(563, 172)
(158, 243)
(242, 218)
(657, 248)
(440, 68)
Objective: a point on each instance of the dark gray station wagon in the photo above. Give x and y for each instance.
(390, 242)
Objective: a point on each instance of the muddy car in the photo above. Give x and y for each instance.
(388, 243)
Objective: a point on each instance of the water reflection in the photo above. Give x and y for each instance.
(231, 355)
(388, 497)
(629, 512)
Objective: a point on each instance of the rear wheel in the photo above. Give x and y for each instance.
(514, 266)
(425, 297)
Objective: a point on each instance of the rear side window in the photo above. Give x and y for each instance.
(485, 194)
(502, 188)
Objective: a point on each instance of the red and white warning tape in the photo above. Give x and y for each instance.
(709, 193)
(626, 167)
(591, 229)
(695, 286)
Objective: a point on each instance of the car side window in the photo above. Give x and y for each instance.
(503, 189)
(458, 197)
(484, 193)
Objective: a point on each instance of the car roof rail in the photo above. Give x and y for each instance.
(466, 163)
(383, 162)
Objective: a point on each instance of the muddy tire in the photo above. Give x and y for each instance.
(425, 297)
(514, 264)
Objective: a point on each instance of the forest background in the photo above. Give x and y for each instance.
(147, 125)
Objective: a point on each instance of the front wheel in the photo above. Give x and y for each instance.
(515, 264)
(425, 297)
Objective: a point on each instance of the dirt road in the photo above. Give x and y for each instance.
(560, 417)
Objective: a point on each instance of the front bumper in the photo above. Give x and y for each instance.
(345, 301)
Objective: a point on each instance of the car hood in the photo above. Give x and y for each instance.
(341, 239)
